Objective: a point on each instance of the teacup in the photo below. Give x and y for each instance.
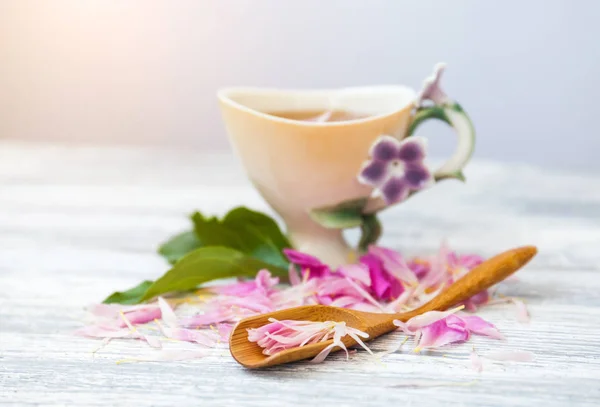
(322, 175)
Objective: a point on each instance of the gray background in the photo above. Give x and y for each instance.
(146, 71)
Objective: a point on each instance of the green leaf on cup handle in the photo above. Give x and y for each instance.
(454, 115)
(345, 215)
(370, 231)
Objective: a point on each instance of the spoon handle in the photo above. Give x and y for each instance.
(482, 277)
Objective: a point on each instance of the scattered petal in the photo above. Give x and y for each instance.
(168, 315)
(307, 263)
(394, 264)
(478, 325)
(522, 311)
(510, 356)
(358, 272)
(476, 361)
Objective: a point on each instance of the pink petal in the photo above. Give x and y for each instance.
(294, 276)
(153, 341)
(141, 316)
(522, 311)
(477, 325)
(394, 264)
(264, 281)
(206, 338)
(358, 272)
(439, 334)
(512, 356)
(236, 289)
(365, 294)
(306, 262)
(209, 318)
(476, 361)
(383, 284)
(168, 315)
(427, 318)
(280, 335)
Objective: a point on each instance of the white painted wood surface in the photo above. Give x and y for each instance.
(78, 222)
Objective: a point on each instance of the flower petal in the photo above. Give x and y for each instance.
(417, 176)
(513, 356)
(476, 361)
(439, 334)
(358, 272)
(395, 190)
(168, 315)
(315, 267)
(427, 318)
(413, 149)
(477, 325)
(394, 264)
(385, 148)
(373, 173)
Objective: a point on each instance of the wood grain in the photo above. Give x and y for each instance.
(78, 222)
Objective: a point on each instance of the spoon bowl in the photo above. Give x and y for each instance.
(480, 278)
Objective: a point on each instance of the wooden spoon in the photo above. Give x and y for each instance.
(480, 278)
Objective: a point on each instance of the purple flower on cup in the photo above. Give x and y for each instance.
(396, 168)
(431, 88)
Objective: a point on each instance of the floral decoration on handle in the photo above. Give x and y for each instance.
(395, 167)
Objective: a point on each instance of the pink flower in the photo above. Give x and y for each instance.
(281, 335)
(307, 263)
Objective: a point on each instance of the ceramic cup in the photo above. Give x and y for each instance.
(298, 166)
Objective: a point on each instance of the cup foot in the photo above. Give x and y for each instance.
(330, 246)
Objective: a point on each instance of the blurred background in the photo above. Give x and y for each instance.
(145, 72)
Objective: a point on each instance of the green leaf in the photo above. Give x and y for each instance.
(248, 231)
(132, 296)
(260, 235)
(370, 231)
(211, 232)
(206, 264)
(345, 215)
(267, 226)
(180, 245)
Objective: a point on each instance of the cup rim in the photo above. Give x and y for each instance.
(224, 96)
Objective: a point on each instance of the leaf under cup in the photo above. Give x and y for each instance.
(207, 264)
(132, 296)
(180, 245)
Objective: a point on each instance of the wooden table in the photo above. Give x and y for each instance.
(78, 222)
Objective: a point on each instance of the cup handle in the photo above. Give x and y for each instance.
(453, 114)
